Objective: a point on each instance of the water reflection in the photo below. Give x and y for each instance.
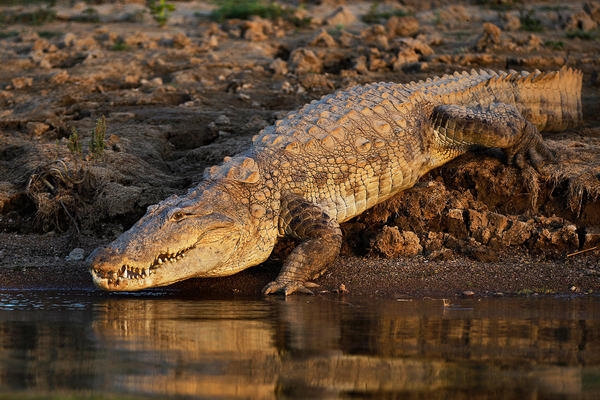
(80, 343)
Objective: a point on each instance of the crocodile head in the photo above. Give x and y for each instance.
(203, 233)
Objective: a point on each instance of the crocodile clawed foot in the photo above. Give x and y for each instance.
(289, 287)
(530, 152)
(536, 156)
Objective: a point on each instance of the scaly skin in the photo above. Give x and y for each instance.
(328, 162)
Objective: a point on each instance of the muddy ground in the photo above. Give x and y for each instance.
(177, 98)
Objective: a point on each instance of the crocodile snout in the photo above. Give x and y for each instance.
(104, 260)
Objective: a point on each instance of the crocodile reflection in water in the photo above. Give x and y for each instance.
(252, 349)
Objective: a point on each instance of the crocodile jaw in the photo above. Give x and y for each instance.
(113, 270)
(110, 272)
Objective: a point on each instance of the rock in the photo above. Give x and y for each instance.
(22, 82)
(323, 39)
(517, 233)
(417, 45)
(257, 29)
(402, 26)
(375, 35)
(69, 39)
(390, 242)
(303, 60)
(169, 95)
(347, 39)
(496, 225)
(433, 242)
(116, 199)
(411, 51)
(593, 9)
(82, 44)
(59, 77)
(405, 57)
(562, 238)
(138, 40)
(223, 120)
(279, 66)
(454, 16)
(43, 45)
(442, 255)
(511, 22)
(181, 40)
(581, 21)
(478, 226)
(9, 195)
(342, 16)
(316, 82)
(152, 83)
(455, 222)
(489, 38)
(360, 65)
(37, 128)
(534, 42)
(77, 254)
(378, 60)
(592, 237)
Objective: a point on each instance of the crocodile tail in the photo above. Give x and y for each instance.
(552, 100)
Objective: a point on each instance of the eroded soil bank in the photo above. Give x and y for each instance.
(178, 98)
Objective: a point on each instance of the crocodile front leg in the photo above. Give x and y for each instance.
(321, 238)
(497, 125)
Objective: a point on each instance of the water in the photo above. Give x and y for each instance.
(68, 345)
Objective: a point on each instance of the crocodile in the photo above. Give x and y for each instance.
(328, 162)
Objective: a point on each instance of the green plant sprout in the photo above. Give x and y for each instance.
(97, 143)
(160, 10)
(74, 144)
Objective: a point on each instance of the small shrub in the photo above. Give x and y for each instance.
(160, 10)
(374, 16)
(119, 45)
(36, 17)
(88, 15)
(8, 34)
(49, 34)
(229, 9)
(499, 5)
(581, 34)
(97, 144)
(530, 23)
(74, 144)
(555, 44)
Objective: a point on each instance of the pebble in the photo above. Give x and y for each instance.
(77, 254)
(279, 66)
(222, 120)
(37, 128)
(22, 82)
(304, 61)
(342, 16)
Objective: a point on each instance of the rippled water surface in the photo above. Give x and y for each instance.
(90, 345)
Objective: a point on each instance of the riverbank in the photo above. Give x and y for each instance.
(105, 112)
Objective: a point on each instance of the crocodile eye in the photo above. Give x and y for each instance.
(176, 215)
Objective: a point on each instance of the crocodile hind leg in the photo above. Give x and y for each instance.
(497, 125)
(321, 238)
